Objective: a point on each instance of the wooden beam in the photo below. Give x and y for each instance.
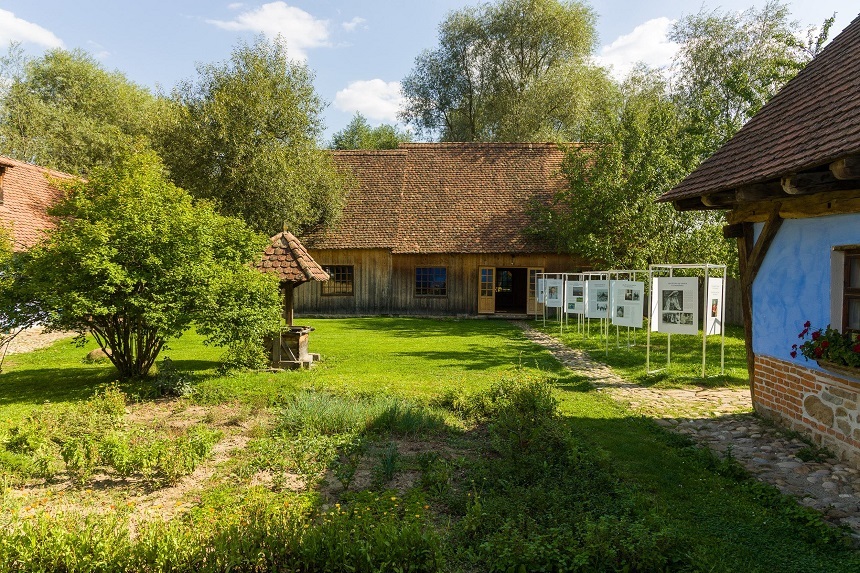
(815, 182)
(733, 231)
(721, 200)
(846, 168)
(759, 192)
(800, 207)
(745, 247)
(692, 204)
(759, 251)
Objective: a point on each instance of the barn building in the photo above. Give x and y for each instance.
(790, 183)
(438, 229)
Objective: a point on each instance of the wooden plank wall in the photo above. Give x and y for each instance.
(385, 283)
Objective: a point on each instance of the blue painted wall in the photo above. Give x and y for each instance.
(793, 284)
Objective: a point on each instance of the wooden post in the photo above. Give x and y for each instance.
(287, 294)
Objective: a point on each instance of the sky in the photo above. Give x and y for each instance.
(358, 49)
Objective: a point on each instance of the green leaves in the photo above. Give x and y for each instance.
(516, 70)
(359, 135)
(135, 261)
(244, 136)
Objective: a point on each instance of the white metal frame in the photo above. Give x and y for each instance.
(707, 268)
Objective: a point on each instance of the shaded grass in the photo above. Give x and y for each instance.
(725, 524)
(626, 354)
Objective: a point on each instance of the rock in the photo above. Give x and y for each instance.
(789, 465)
(818, 410)
(829, 485)
(96, 356)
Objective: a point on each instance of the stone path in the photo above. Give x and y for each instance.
(35, 338)
(722, 420)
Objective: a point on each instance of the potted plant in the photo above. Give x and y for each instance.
(832, 350)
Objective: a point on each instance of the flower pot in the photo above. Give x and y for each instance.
(844, 370)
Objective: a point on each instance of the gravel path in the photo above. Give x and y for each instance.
(722, 419)
(35, 338)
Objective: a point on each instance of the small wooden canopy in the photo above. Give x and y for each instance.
(287, 258)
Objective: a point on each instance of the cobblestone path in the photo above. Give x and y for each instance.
(723, 419)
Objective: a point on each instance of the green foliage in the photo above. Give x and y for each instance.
(64, 110)
(514, 70)
(360, 135)
(731, 63)
(169, 381)
(236, 531)
(608, 213)
(134, 261)
(245, 135)
(388, 463)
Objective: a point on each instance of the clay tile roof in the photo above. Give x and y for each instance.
(287, 257)
(27, 194)
(445, 198)
(812, 121)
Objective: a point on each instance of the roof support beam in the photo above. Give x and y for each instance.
(719, 200)
(846, 168)
(758, 192)
(815, 182)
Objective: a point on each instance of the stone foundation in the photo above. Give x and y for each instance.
(818, 404)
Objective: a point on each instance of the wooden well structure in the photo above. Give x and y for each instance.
(288, 259)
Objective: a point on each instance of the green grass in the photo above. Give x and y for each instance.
(658, 490)
(626, 354)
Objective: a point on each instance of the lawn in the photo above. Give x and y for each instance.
(420, 444)
(626, 353)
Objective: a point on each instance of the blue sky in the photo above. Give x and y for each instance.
(359, 49)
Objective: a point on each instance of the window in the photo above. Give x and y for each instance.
(851, 292)
(431, 281)
(341, 281)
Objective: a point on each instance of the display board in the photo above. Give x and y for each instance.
(596, 299)
(628, 300)
(541, 291)
(714, 322)
(574, 297)
(554, 292)
(675, 305)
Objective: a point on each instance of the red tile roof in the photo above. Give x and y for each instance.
(812, 121)
(27, 194)
(445, 198)
(289, 260)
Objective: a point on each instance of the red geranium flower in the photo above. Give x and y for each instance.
(807, 324)
(825, 344)
(816, 335)
(818, 352)
(856, 348)
(794, 353)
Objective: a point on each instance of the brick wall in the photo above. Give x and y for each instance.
(819, 404)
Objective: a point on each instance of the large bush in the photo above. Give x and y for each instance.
(134, 261)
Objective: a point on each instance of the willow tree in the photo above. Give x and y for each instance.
(244, 135)
(514, 70)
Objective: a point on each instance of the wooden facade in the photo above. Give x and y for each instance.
(439, 229)
(384, 283)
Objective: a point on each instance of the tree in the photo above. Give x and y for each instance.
(63, 110)
(608, 213)
(134, 261)
(360, 135)
(730, 64)
(245, 137)
(511, 71)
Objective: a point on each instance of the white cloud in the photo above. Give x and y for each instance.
(300, 29)
(14, 29)
(353, 24)
(375, 99)
(647, 43)
(235, 5)
(97, 50)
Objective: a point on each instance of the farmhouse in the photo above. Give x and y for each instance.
(25, 195)
(438, 229)
(790, 181)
